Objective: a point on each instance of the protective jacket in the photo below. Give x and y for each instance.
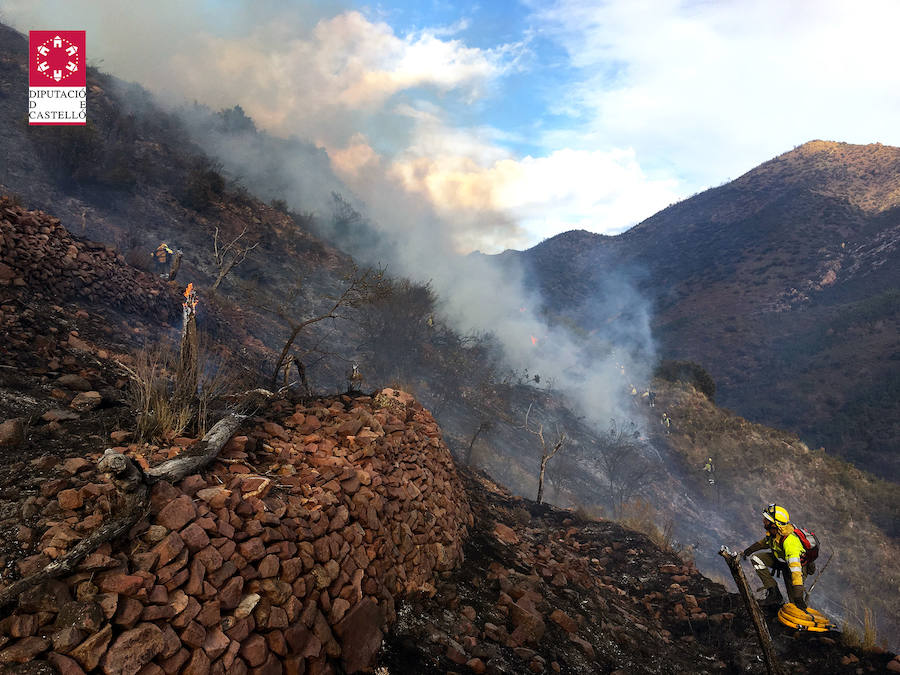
(787, 549)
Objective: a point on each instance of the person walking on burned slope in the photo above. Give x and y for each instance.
(786, 556)
(162, 258)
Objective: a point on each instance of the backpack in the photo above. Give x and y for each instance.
(810, 544)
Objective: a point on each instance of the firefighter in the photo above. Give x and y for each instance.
(666, 421)
(162, 258)
(710, 471)
(354, 378)
(782, 558)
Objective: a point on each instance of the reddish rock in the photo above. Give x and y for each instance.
(12, 433)
(86, 401)
(133, 649)
(252, 549)
(173, 664)
(88, 653)
(338, 609)
(168, 548)
(276, 430)
(123, 584)
(360, 635)
(302, 641)
(198, 665)
(230, 594)
(254, 650)
(58, 415)
(87, 616)
(216, 643)
(24, 650)
(76, 465)
(177, 513)
(277, 643)
(209, 613)
(193, 635)
(269, 566)
(564, 621)
(72, 381)
(586, 646)
(120, 436)
(215, 496)
(70, 499)
(66, 639)
(194, 537)
(128, 611)
(505, 534)
(476, 666)
(64, 665)
(272, 666)
(157, 613)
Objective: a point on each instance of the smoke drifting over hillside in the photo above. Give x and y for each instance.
(336, 88)
(478, 293)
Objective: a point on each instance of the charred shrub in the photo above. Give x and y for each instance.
(687, 371)
(71, 154)
(204, 185)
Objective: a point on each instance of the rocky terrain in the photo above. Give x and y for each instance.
(288, 554)
(331, 534)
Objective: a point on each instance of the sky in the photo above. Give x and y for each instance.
(515, 121)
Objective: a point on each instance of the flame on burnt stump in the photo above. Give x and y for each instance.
(188, 360)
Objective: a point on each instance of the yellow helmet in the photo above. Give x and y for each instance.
(777, 514)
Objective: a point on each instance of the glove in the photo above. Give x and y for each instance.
(796, 594)
(810, 568)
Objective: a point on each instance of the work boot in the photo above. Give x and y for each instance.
(773, 596)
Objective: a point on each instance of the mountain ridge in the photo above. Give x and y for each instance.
(745, 275)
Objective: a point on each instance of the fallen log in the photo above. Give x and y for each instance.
(733, 560)
(133, 486)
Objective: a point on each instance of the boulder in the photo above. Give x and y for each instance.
(133, 649)
(12, 433)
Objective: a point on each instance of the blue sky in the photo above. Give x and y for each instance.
(512, 121)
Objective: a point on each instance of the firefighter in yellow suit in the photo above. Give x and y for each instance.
(783, 556)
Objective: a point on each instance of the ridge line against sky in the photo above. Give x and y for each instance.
(514, 121)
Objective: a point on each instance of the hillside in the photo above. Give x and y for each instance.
(330, 534)
(782, 283)
(76, 314)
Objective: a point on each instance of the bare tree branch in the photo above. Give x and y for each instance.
(547, 453)
(229, 256)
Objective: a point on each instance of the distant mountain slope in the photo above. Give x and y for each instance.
(784, 283)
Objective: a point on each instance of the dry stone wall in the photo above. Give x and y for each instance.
(286, 557)
(39, 256)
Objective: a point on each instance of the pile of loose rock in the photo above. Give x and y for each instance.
(38, 255)
(285, 557)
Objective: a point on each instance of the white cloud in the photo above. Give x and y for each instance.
(462, 173)
(712, 89)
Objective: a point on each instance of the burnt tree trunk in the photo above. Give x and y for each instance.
(733, 560)
(540, 494)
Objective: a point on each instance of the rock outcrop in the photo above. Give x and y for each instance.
(38, 254)
(286, 557)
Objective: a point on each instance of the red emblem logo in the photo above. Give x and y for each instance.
(56, 58)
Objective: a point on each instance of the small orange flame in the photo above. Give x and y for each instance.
(190, 298)
(533, 340)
